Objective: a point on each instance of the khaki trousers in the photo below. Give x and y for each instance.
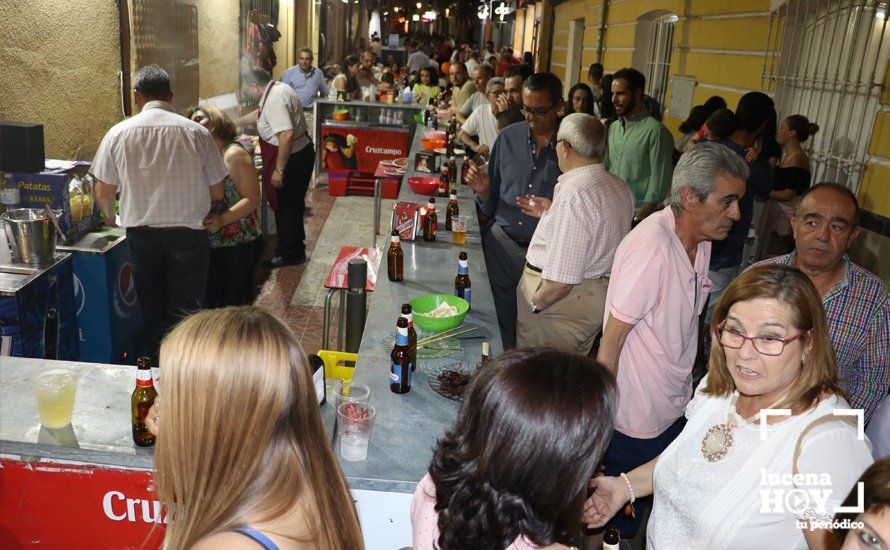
(568, 325)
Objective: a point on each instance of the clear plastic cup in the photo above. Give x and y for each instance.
(354, 423)
(351, 392)
(459, 229)
(55, 390)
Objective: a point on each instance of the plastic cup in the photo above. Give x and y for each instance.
(354, 423)
(55, 390)
(459, 229)
(351, 392)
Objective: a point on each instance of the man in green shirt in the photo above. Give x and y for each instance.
(640, 149)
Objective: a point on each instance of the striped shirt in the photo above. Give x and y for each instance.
(163, 164)
(577, 236)
(858, 313)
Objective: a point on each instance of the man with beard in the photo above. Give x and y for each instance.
(658, 289)
(640, 147)
(523, 163)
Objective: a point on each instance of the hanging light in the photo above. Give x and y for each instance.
(419, 5)
(415, 17)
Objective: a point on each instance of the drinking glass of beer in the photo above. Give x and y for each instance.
(55, 390)
(459, 229)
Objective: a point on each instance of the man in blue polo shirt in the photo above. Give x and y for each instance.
(522, 169)
(306, 80)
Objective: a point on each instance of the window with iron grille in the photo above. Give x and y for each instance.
(165, 32)
(658, 61)
(826, 60)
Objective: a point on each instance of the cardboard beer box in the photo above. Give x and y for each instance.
(427, 162)
(65, 186)
(405, 221)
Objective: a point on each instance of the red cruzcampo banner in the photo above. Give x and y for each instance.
(360, 149)
(77, 506)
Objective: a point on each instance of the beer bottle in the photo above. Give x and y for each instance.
(400, 371)
(431, 221)
(444, 179)
(143, 398)
(611, 539)
(462, 281)
(395, 258)
(412, 334)
(451, 210)
(452, 170)
(449, 137)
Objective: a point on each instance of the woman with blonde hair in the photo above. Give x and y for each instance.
(241, 457)
(233, 224)
(736, 477)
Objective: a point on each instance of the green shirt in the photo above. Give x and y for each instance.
(640, 152)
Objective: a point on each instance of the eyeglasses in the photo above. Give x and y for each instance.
(199, 118)
(765, 345)
(536, 113)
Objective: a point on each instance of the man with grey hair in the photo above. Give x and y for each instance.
(659, 287)
(306, 80)
(482, 122)
(167, 169)
(562, 292)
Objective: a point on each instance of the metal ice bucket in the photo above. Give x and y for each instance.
(31, 234)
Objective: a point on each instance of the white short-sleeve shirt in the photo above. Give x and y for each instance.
(483, 124)
(282, 110)
(163, 164)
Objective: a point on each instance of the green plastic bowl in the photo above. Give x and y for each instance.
(418, 118)
(428, 302)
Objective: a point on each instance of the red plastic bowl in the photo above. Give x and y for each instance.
(423, 185)
(432, 144)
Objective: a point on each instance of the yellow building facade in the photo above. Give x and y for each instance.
(728, 48)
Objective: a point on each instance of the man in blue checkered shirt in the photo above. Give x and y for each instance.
(856, 303)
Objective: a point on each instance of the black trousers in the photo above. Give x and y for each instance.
(230, 277)
(292, 204)
(170, 273)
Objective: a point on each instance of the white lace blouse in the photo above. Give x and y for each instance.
(747, 499)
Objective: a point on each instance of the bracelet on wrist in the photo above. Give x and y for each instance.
(630, 488)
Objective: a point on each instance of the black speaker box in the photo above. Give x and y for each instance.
(21, 147)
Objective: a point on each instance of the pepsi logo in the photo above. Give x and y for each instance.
(80, 295)
(126, 287)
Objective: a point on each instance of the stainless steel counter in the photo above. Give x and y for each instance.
(15, 277)
(99, 241)
(100, 431)
(408, 425)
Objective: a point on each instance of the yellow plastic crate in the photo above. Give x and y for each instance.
(338, 365)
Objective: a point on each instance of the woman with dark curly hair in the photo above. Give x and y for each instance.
(513, 472)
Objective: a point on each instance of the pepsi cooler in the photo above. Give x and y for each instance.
(37, 310)
(109, 318)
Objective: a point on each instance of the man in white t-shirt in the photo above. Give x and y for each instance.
(482, 122)
(288, 160)
(167, 170)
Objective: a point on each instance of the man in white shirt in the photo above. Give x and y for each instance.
(481, 76)
(288, 160)
(419, 60)
(472, 61)
(562, 293)
(482, 122)
(167, 170)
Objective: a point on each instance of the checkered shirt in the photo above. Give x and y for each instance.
(577, 236)
(858, 313)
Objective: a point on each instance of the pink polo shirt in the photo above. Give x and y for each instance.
(654, 288)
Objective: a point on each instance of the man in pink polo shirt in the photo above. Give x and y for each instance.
(659, 287)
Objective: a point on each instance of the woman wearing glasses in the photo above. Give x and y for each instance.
(728, 481)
